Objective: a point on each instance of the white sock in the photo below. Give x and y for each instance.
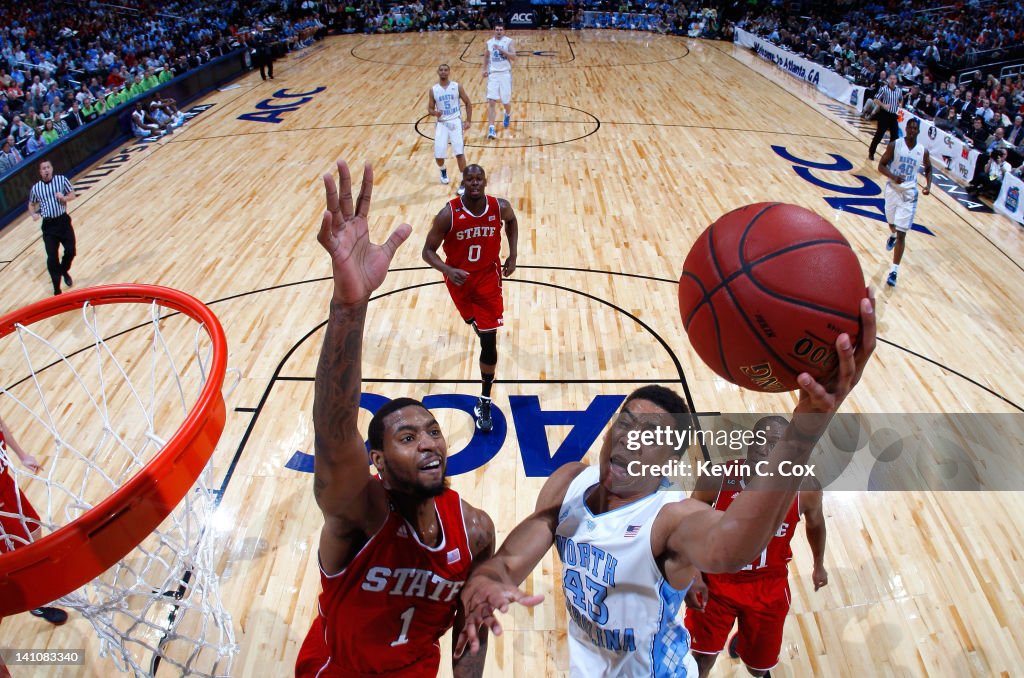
(895, 268)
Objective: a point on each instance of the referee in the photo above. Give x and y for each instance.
(889, 99)
(48, 199)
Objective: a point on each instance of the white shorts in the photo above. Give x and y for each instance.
(445, 132)
(499, 86)
(900, 206)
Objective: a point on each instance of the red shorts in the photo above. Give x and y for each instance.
(760, 605)
(314, 655)
(15, 532)
(479, 298)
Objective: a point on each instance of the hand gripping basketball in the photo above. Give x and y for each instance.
(765, 292)
(359, 266)
(819, 401)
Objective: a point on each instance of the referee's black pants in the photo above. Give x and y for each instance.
(887, 122)
(58, 232)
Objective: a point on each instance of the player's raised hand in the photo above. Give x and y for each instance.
(825, 399)
(359, 266)
(481, 598)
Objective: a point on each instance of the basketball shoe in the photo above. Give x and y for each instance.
(891, 280)
(491, 134)
(482, 412)
(506, 120)
(890, 244)
(444, 176)
(54, 615)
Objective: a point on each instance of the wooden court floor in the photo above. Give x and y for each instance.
(623, 148)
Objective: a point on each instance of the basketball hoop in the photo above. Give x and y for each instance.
(132, 420)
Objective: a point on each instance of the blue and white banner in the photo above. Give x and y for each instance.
(828, 82)
(1009, 200)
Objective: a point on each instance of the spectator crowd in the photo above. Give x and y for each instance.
(926, 47)
(64, 65)
(677, 17)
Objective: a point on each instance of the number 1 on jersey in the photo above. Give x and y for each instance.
(761, 564)
(406, 618)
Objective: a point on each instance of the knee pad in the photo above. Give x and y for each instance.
(489, 348)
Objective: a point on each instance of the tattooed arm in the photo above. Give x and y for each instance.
(353, 506)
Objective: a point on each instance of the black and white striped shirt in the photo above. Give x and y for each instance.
(891, 98)
(45, 194)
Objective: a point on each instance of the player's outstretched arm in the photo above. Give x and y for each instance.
(717, 541)
(508, 216)
(814, 525)
(469, 107)
(495, 584)
(480, 530)
(11, 443)
(431, 107)
(883, 164)
(438, 230)
(927, 162)
(341, 480)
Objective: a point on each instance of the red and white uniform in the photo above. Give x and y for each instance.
(473, 243)
(757, 595)
(384, 614)
(14, 530)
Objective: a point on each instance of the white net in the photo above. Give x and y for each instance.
(94, 395)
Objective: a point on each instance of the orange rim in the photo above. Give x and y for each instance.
(80, 551)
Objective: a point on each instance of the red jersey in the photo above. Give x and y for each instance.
(15, 529)
(775, 557)
(473, 242)
(384, 614)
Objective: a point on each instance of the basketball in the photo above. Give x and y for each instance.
(765, 292)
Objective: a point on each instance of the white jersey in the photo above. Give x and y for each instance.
(498, 62)
(905, 163)
(625, 620)
(446, 100)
